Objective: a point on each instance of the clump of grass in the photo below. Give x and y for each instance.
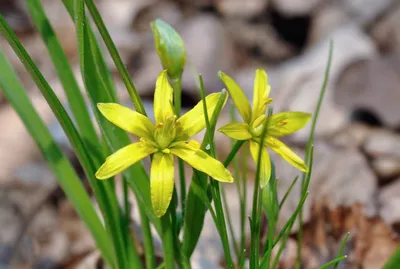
(113, 236)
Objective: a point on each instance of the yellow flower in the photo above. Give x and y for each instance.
(168, 137)
(280, 124)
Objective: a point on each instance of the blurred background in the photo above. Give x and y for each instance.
(355, 186)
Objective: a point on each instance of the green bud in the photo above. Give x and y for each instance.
(170, 48)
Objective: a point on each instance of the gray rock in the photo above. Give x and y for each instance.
(326, 19)
(383, 143)
(299, 80)
(340, 177)
(241, 9)
(372, 85)
(389, 200)
(296, 7)
(365, 11)
(386, 167)
(353, 136)
(260, 36)
(208, 51)
(387, 33)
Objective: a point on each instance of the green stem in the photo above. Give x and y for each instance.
(310, 141)
(230, 225)
(256, 209)
(147, 240)
(176, 85)
(221, 219)
(233, 152)
(244, 203)
(168, 241)
(221, 224)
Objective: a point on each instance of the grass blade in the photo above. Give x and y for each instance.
(58, 163)
(334, 261)
(115, 137)
(343, 245)
(63, 69)
(309, 145)
(116, 57)
(91, 79)
(394, 261)
(87, 153)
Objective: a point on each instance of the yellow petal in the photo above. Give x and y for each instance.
(163, 98)
(286, 123)
(124, 158)
(127, 119)
(285, 152)
(201, 161)
(265, 166)
(193, 121)
(236, 130)
(238, 97)
(260, 93)
(161, 182)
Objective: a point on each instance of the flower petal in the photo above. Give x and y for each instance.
(127, 119)
(193, 121)
(201, 161)
(124, 158)
(265, 166)
(286, 123)
(161, 182)
(236, 130)
(238, 96)
(163, 98)
(285, 152)
(260, 93)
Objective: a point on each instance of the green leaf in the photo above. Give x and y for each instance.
(195, 208)
(123, 71)
(95, 88)
(141, 188)
(87, 153)
(58, 163)
(394, 261)
(63, 69)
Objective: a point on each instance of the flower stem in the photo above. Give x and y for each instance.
(233, 152)
(176, 85)
(168, 241)
(147, 240)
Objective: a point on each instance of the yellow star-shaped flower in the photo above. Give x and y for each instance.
(168, 137)
(280, 124)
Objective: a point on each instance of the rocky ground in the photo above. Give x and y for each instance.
(355, 185)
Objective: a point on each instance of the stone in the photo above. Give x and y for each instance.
(382, 143)
(386, 33)
(389, 200)
(386, 167)
(16, 145)
(298, 81)
(340, 177)
(371, 84)
(209, 50)
(241, 9)
(259, 37)
(352, 136)
(364, 12)
(326, 19)
(295, 7)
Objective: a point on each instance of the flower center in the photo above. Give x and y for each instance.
(257, 126)
(165, 132)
